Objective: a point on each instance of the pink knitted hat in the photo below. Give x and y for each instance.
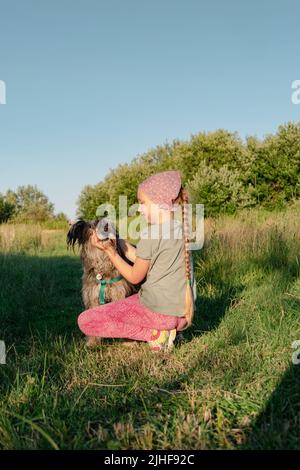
(162, 188)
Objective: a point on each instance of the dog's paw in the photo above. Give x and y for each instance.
(92, 342)
(180, 339)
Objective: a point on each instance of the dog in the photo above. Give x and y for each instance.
(101, 281)
(97, 265)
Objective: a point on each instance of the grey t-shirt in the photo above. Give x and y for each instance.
(164, 288)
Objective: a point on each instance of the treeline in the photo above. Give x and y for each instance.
(218, 168)
(28, 204)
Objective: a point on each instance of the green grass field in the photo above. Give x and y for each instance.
(231, 385)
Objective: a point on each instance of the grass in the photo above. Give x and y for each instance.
(231, 385)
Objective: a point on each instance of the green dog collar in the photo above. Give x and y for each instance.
(103, 283)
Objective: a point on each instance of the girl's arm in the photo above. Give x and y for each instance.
(128, 249)
(133, 274)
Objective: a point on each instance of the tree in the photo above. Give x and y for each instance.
(32, 204)
(6, 209)
(275, 172)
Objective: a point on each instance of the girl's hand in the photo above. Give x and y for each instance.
(104, 245)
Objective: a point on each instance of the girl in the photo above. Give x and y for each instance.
(165, 302)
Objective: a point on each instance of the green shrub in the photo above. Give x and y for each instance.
(221, 170)
(221, 191)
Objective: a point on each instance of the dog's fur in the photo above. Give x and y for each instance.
(95, 262)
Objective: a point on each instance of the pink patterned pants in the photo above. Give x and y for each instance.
(126, 318)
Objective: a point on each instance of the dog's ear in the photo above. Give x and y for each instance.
(78, 233)
(118, 246)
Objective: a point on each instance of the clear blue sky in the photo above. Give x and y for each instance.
(92, 83)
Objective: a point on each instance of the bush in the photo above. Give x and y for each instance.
(221, 170)
(221, 191)
(6, 210)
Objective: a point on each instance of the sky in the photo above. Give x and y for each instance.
(91, 84)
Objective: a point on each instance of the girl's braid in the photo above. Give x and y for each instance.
(183, 199)
(185, 223)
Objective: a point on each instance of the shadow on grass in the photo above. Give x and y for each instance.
(220, 290)
(279, 257)
(278, 425)
(220, 285)
(42, 295)
(39, 295)
(123, 412)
